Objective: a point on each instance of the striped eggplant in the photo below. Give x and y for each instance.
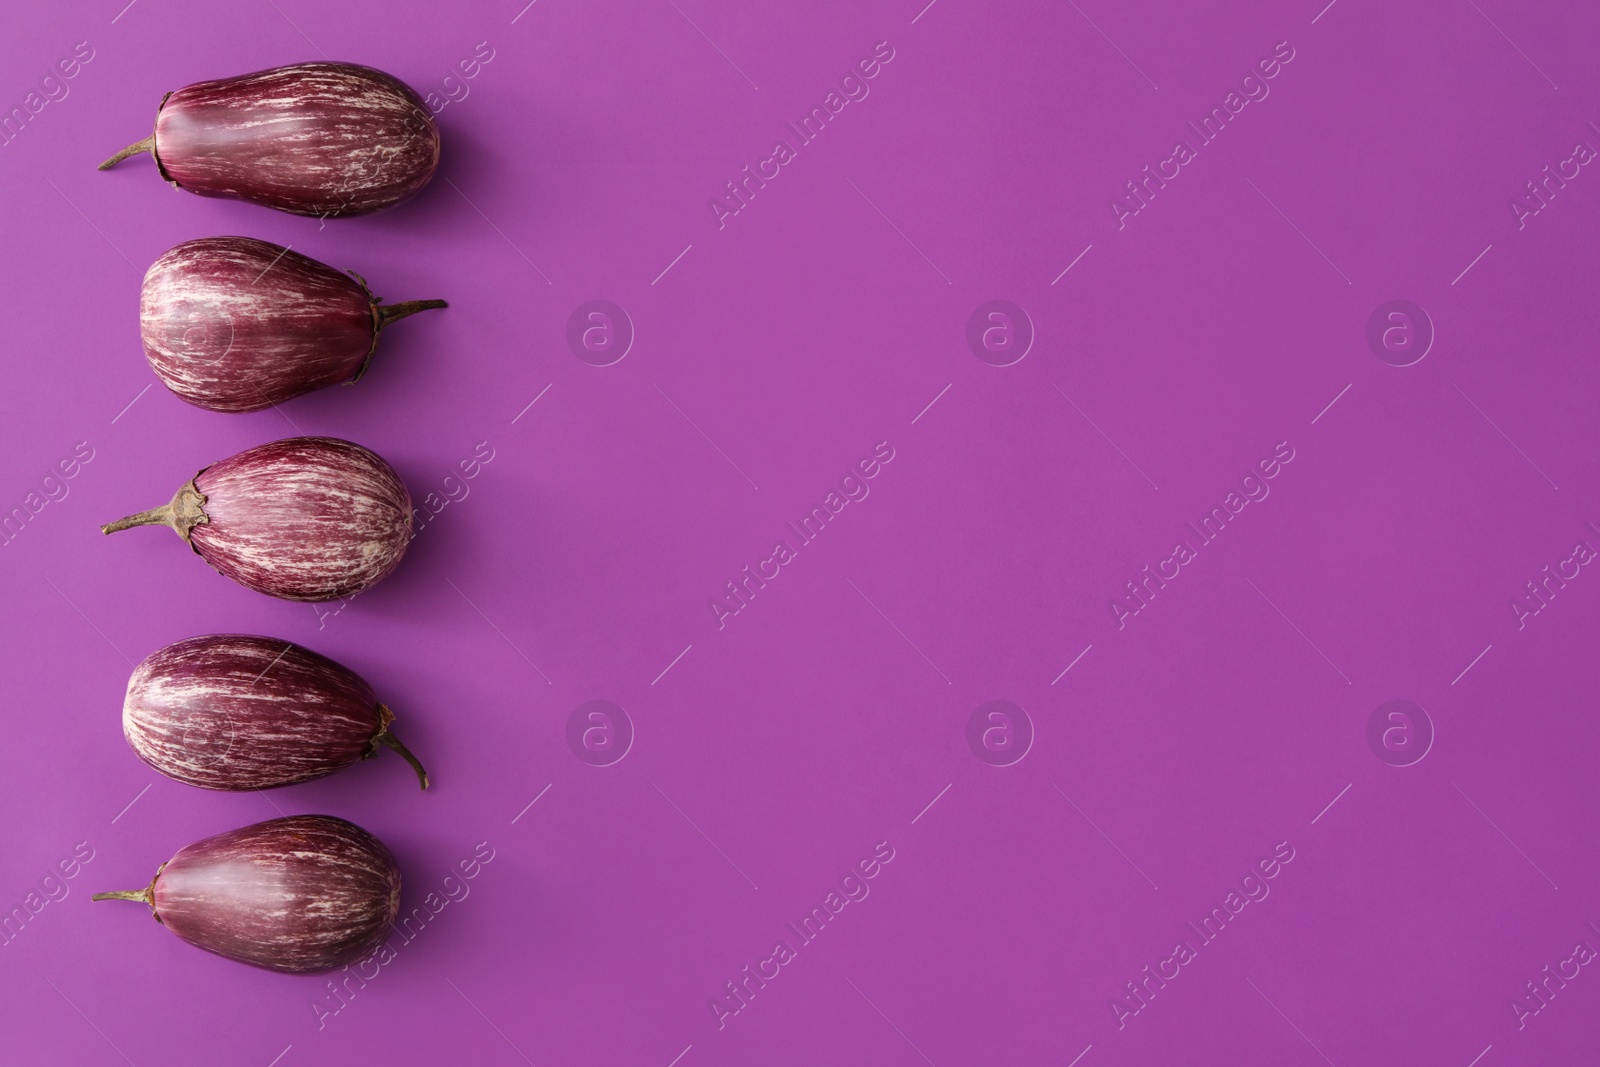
(305, 518)
(299, 895)
(321, 139)
(230, 711)
(236, 324)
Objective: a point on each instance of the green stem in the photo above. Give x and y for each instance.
(395, 312)
(182, 513)
(161, 516)
(389, 740)
(143, 896)
(146, 145)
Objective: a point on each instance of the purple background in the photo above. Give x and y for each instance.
(823, 318)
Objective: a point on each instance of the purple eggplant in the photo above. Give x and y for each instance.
(322, 139)
(302, 894)
(235, 712)
(236, 324)
(305, 518)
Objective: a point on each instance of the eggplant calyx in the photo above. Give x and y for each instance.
(183, 513)
(389, 740)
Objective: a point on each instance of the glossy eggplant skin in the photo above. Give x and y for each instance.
(234, 711)
(306, 518)
(298, 895)
(234, 324)
(319, 139)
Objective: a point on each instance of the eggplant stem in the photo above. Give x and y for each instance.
(146, 145)
(384, 737)
(394, 742)
(395, 312)
(182, 513)
(143, 896)
(161, 516)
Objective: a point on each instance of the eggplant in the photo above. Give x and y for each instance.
(231, 711)
(299, 895)
(236, 324)
(320, 139)
(305, 518)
